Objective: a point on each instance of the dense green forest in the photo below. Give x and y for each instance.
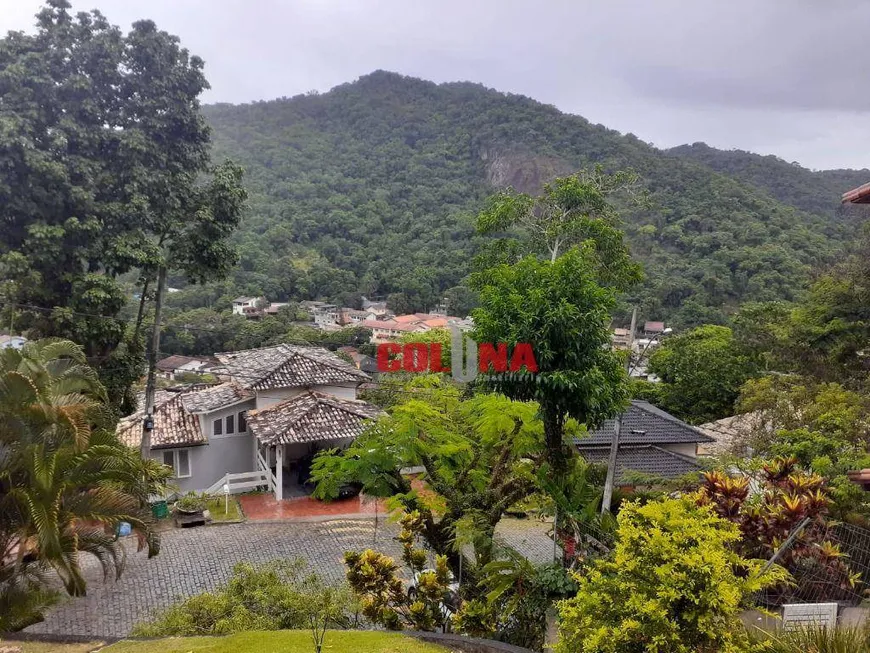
(372, 186)
(814, 191)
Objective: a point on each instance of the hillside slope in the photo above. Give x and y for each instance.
(373, 187)
(814, 191)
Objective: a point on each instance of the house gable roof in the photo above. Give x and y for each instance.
(173, 425)
(642, 424)
(288, 366)
(311, 417)
(646, 459)
(171, 363)
(215, 398)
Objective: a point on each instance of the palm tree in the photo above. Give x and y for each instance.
(66, 482)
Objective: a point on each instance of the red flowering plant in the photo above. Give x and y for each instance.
(786, 499)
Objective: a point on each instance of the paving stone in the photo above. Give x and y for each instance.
(196, 560)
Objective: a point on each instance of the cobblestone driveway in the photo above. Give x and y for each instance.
(198, 559)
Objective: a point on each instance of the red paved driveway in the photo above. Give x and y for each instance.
(259, 507)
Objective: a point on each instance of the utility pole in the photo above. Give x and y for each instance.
(617, 428)
(150, 385)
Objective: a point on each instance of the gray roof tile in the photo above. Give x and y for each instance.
(647, 459)
(215, 397)
(288, 366)
(311, 417)
(643, 423)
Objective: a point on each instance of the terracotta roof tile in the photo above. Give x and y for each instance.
(173, 425)
(311, 417)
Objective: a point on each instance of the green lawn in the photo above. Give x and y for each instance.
(216, 506)
(282, 641)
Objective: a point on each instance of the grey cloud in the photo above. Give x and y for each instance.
(776, 76)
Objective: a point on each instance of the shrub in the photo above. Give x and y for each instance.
(274, 596)
(672, 585)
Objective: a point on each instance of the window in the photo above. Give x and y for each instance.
(231, 424)
(243, 421)
(182, 463)
(179, 461)
(217, 427)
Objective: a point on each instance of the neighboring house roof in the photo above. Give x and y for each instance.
(392, 326)
(405, 319)
(643, 424)
(172, 363)
(311, 417)
(654, 327)
(288, 366)
(646, 459)
(173, 425)
(729, 433)
(620, 332)
(860, 195)
(215, 397)
(243, 300)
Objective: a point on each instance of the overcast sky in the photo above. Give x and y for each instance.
(784, 77)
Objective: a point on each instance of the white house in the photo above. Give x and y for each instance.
(171, 366)
(282, 404)
(325, 315)
(12, 342)
(249, 303)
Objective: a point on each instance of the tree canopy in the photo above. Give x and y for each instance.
(104, 169)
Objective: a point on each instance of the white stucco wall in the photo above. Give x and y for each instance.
(690, 449)
(209, 462)
(267, 398)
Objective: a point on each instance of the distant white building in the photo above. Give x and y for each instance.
(326, 315)
(246, 305)
(12, 342)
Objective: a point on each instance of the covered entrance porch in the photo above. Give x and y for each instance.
(287, 436)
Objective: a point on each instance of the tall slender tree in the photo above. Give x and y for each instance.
(104, 168)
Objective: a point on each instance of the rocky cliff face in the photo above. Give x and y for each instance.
(523, 171)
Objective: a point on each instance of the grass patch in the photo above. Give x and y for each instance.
(216, 506)
(282, 641)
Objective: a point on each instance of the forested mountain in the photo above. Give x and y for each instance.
(814, 191)
(373, 186)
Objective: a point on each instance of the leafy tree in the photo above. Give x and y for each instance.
(375, 580)
(518, 596)
(461, 300)
(673, 584)
(571, 211)
(90, 186)
(479, 457)
(66, 482)
(701, 373)
(821, 425)
(562, 312)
